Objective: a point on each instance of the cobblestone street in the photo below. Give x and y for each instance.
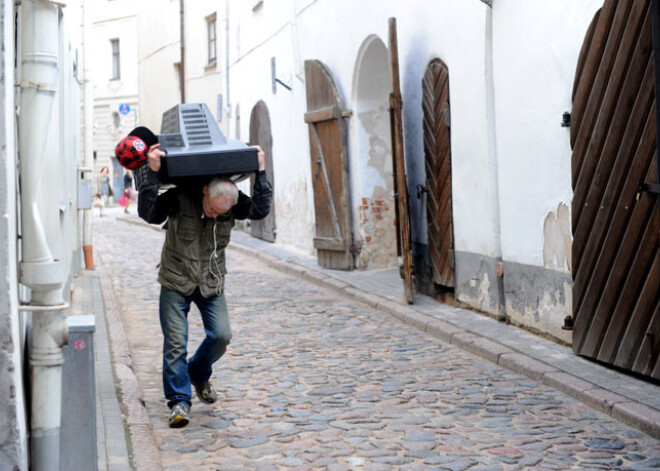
(315, 381)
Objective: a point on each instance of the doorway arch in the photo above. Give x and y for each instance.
(372, 164)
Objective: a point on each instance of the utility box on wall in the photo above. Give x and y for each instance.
(78, 432)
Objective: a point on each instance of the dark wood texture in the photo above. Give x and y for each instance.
(437, 158)
(399, 164)
(329, 160)
(615, 266)
(260, 135)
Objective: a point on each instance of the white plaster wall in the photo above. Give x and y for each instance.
(250, 81)
(533, 85)
(158, 51)
(451, 30)
(114, 20)
(14, 336)
(204, 81)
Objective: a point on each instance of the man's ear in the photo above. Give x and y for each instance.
(205, 189)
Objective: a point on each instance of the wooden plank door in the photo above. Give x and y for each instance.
(437, 158)
(399, 165)
(260, 134)
(615, 264)
(329, 160)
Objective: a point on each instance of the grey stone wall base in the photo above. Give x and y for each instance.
(477, 282)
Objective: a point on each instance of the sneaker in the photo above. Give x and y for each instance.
(179, 415)
(205, 392)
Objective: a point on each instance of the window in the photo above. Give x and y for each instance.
(116, 74)
(210, 29)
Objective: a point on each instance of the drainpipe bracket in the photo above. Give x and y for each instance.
(40, 87)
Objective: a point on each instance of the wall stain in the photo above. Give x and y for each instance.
(557, 239)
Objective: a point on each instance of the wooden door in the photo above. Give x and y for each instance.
(615, 262)
(437, 158)
(399, 165)
(260, 135)
(329, 160)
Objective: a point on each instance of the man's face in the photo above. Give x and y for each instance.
(214, 207)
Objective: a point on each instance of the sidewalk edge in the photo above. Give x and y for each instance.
(144, 450)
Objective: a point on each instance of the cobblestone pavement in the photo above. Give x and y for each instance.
(312, 381)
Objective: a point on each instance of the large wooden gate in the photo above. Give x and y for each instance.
(399, 164)
(437, 158)
(329, 159)
(615, 262)
(260, 135)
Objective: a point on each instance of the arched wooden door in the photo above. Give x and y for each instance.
(615, 262)
(329, 160)
(437, 158)
(260, 135)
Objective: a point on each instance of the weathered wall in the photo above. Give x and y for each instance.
(13, 426)
(533, 82)
(10, 385)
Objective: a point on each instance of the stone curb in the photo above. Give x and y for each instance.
(635, 414)
(144, 451)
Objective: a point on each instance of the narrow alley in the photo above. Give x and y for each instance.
(316, 381)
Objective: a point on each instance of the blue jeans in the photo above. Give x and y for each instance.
(178, 371)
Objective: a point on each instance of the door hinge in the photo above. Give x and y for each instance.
(653, 188)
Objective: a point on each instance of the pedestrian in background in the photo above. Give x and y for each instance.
(128, 189)
(192, 270)
(103, 189)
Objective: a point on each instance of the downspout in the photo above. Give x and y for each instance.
(88, 154)
(493, 157)
(39, 271)
(229, 104)
(182, 68)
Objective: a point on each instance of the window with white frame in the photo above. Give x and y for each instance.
(211, 39)
(116, 71)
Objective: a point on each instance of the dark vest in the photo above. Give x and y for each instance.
(188, 259)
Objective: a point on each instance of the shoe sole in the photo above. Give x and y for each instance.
(178, 421)
(206, 401)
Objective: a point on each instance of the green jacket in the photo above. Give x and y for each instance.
(193, 254)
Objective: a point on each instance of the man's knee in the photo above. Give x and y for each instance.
(220, 339)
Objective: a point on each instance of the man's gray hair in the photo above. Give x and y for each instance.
(222, 186)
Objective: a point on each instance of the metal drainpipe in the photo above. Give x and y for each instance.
(40, 272)
(182, 67)
(88, 117)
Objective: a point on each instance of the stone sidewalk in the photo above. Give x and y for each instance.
(392, 396)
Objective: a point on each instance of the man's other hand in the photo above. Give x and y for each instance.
(153, 157)
(262, 158)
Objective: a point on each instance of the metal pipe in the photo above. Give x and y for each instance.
(88, 137)
(182, 66)
(40, 271)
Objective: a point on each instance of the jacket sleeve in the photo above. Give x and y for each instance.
(152, 206)
(257, 206)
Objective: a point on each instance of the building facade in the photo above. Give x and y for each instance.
(491, 155)
(115, 80)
